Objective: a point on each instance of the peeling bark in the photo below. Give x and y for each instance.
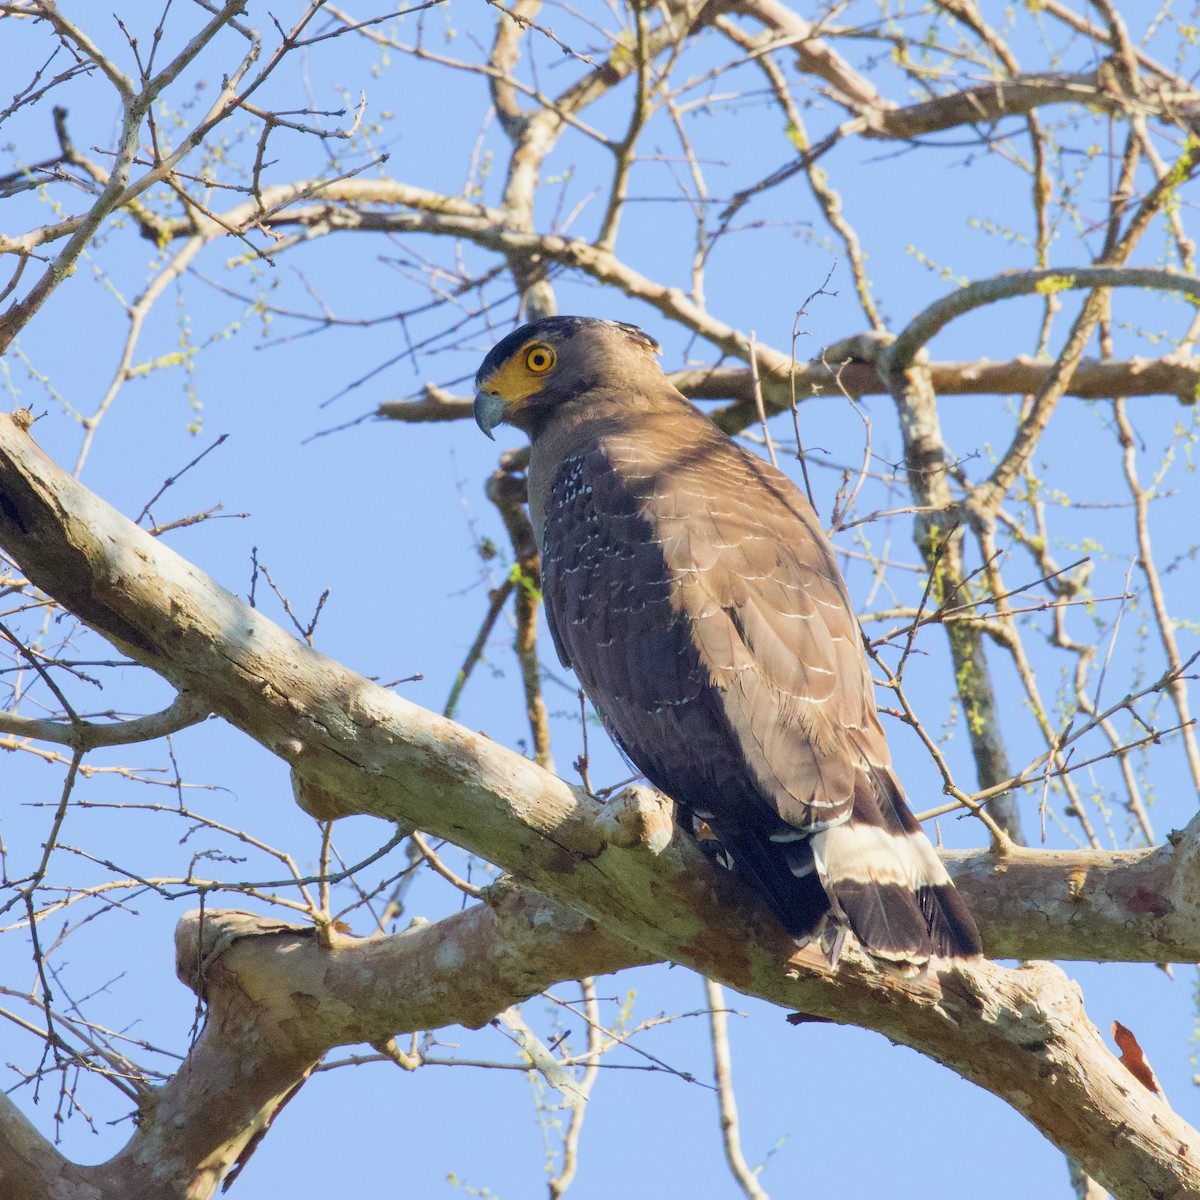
(1093, 905)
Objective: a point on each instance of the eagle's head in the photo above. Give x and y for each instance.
(543, 365)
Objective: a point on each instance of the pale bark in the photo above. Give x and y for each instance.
(278, 999)
(1021, 1034)
(1094, 905)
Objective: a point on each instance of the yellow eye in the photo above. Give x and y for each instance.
(540, 358)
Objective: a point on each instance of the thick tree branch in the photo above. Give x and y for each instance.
(1025, 94)
(30, 1167)
(899, 356)
(278, 998)
(1172, 375)
(267, 982)
(1021, 1034)
(1104, 906)
(816, 56)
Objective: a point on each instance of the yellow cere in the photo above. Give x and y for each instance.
(522, 374)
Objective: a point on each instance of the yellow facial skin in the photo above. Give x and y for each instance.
(523, 374)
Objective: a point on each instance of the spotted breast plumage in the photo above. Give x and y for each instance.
(690, 586)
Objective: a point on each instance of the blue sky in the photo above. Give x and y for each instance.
(386, 517)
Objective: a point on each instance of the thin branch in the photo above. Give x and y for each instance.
(747, 1180)
(183, 711)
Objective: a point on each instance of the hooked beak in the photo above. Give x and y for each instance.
(489, 412)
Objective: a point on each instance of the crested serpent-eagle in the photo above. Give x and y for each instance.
(691, 588)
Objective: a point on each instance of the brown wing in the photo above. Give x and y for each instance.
(770, 615)
(608, 596)
(687, 583)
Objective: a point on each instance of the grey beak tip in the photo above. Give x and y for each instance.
(489, 411)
